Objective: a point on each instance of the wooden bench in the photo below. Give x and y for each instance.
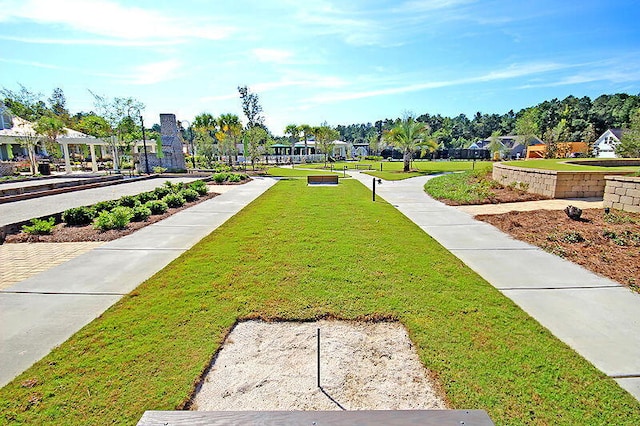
(322, 179)
(364, 166)
(363, 417)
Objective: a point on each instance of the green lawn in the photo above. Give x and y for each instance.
(287, 172)
(289, 256)
(392, 170)
(563, 164)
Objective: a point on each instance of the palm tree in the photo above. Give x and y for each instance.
(407, 135)
(305, 129)
(294, 135)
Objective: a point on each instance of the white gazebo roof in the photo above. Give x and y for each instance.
(22, 128)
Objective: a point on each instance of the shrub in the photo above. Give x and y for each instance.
(159, 170)
(78, 216)
(118, 218)
(145, 197)
(233, 177)
(39, 226)
(140, 213)
(128, 201)
(572, 237)
(104, 206)
(199, 186)
(174, 187)
(189, 195)
(162, 191)
(220, 177)
(157, 206)
(174, 200)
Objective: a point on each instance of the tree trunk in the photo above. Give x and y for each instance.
(407, 160)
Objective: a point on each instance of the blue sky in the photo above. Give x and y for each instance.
(321, 60)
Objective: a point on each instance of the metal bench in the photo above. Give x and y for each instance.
(364, 166)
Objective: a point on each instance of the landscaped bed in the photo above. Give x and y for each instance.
(607, 244)
(269, 262)
(476, 187)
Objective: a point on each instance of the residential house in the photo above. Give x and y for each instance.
(511, 147)
(605, 145)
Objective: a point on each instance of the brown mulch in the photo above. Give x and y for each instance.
(503, 195)
(607, 247)
(70, 234)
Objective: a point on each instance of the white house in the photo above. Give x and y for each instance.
(605, 145)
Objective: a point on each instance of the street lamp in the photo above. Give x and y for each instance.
(144, 137)
(193, 150)
(374, 186)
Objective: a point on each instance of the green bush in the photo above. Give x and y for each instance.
(140, 213)
(161, 192)
(157, 207)
(199, 186)
(145, 197)
(189, 195)
(174, 200)
(78, 216)
(118, 218)
(174, 187)
(39, 226)
(234, 177)
(128, 201)
(104, 206)
(220, 177)
(159, 170)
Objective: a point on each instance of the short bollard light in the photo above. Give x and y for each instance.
(374, 186)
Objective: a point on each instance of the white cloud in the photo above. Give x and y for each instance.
(513, 71)
(272, 55)
(109, 19)
(155, 72)
(92, 42)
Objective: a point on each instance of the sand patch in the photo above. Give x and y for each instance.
(273, 366)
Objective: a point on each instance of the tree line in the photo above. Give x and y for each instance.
(571, 119)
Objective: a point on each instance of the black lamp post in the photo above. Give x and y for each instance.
(144, 138)
(374, 186)
(190, 139)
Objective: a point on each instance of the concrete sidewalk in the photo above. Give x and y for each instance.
(38, 207)
(596, 316)
(43, 311)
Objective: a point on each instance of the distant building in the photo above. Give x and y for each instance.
(563, 150)
(510, 146)
(605, 145)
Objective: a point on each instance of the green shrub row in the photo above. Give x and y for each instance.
(117, 214)
(229, 177)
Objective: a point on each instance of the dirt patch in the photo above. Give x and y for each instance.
(608, 245)
(68, 234)
(273, 366)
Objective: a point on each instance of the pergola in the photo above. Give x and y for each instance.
(23, 128)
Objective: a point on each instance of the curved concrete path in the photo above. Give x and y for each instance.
(43, 311)
(597, 317)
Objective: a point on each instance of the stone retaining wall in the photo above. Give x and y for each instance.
(622, 193)
(553, 183)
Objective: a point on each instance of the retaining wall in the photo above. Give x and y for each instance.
(622, 193)
(554, 183)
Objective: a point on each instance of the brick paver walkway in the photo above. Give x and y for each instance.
(21, 261)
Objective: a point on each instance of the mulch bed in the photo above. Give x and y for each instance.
(69, 234)
(608, 249)
(502, 195)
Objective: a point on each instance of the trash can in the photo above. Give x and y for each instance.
(44, 169)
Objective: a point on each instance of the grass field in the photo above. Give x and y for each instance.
(392, 170)
(287, 256)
